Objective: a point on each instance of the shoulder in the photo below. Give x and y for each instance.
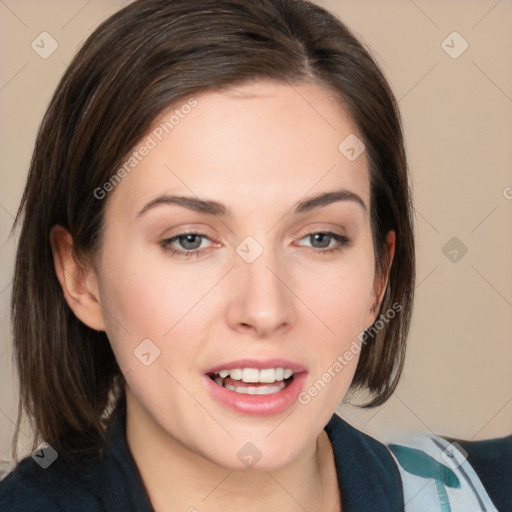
(32, 487)
(492, 461)
(437, 470)
(81, 481)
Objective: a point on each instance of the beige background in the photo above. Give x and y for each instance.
(458, 122)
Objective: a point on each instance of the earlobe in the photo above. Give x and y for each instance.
(78, 282)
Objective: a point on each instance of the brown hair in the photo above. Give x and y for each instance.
(144, 58)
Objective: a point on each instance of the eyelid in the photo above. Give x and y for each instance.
(342, 241)
(197, 232)
(167, 243)
(333, 229)
(321, 227)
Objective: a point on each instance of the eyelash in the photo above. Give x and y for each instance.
(342, 241)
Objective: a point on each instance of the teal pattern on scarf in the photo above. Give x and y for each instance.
(420, 464)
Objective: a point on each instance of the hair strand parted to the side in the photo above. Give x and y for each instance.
(145, 58)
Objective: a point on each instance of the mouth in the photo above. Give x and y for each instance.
(256, 387)
(254, 381)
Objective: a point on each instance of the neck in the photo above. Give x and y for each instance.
(176, 478)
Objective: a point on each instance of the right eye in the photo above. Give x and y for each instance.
(190, 244)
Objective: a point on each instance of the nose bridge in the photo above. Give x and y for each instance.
(262, 299)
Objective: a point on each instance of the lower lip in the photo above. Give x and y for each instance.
(258, 405)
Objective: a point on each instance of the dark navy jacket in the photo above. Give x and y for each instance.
(367, 474)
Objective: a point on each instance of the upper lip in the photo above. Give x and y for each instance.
(260, 364)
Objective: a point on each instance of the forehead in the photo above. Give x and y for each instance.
(258, 143)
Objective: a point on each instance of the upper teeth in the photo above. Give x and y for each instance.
(267, 375)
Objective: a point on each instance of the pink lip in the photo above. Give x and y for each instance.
(258, 405)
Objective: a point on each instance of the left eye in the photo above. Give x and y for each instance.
(190, 241)
(323, 239)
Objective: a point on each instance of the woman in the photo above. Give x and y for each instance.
(216, 247)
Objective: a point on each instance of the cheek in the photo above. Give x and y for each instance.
(144, 299)
(341, 293)
(342, 301)
(133, 305)
(147, 295)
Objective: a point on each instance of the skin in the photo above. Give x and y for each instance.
(258, 148)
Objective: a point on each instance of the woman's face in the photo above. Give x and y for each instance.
(237, 246)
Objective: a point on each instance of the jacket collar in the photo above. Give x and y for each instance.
(368, 477)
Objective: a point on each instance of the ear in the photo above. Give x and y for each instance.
(77, 280)
(381, 280)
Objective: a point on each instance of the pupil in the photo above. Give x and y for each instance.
(320, 236)
(186, 239)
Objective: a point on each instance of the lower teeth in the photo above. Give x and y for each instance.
(252, 390)
(260, 390)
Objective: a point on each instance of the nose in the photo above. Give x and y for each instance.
(261, 301)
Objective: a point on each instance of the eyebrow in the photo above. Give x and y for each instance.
(215, 208)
